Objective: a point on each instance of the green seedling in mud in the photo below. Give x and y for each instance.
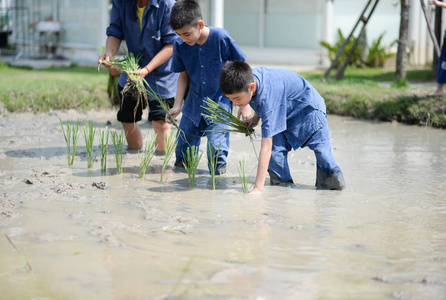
(213, 157)
(118, 143)
(103, 143)
(191, 163)
(71, 136)
(145, 157)
(242, 175)
(89, 133)
(18, 250)
(182, 290)
(171, 144)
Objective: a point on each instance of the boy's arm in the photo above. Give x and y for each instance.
(183, 83)
(161, 57)
(262, 168)
(437, 3)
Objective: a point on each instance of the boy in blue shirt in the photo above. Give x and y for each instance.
(198, 55)
(293, 115)
(143, 24)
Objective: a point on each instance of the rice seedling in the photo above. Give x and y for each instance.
(146, 156)
(242, 175)
(213, 157)
(71, 136)
(89, 133)
(151, 93)
(171, 143)
(18, 250)
(103, 143)
(191, 163)
(134, 88)
(118, 143)
(214, 112)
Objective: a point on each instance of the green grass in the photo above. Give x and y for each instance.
(359, 94)
(24, 89)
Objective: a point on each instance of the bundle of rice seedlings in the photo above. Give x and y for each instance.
(118, 143)
(191, 163)
(71, 136)
(216, 113)
(103, 143)
(89, 133)
(134, 88)
(146, 156)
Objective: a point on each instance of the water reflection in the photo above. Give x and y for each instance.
(382, 237)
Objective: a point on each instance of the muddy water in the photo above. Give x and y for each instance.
(384, 237)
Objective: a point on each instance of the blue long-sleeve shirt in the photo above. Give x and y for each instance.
(287, 103)
(155, 33)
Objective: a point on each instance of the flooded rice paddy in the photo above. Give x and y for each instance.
(75, 233)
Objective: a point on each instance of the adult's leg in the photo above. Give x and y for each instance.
(133, 135)
(128, 116)
(328, 173)
(161, 128)
(278, 169)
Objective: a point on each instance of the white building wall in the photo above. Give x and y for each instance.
(269, 31)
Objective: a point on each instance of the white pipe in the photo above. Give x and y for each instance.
(218, 11)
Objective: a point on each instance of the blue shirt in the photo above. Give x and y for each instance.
(155, 33)
(203, 64)
(287, 103)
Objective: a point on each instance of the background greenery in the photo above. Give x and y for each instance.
(24, 89)
(365, 93)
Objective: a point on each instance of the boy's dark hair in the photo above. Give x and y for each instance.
(185, 13)
(235, 77)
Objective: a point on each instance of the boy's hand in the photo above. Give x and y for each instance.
(255, 192)
(252, 122)
(142, 72)
(174, 112)
(244, 112)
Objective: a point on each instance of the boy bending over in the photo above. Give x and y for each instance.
(293, 115)
(198, 55)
